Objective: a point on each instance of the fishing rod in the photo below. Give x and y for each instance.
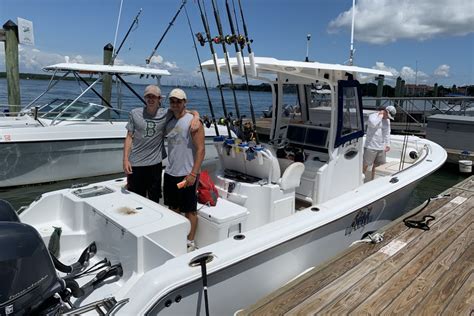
(148, 60)
(238, 48)
(220, 40)
(135, 21)
(202, 73)
(253, 68)
(214, 58)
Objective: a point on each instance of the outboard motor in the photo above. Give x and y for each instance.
(28, 277)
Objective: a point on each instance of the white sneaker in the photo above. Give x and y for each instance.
(191, 245)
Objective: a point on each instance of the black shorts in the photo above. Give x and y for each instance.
(184, 200)
(146, 181)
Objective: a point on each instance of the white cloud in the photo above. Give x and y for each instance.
(380, 65)
(383, 21)
(411, 75)
(156, 59)
(442, 71)
(33, 59)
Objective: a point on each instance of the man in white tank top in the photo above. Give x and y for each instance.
(186, 152)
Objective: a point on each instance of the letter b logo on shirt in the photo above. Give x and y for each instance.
(150, 129)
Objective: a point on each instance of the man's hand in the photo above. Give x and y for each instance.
(195, 122)
(190, 180)
(387, 148)
(127, 167)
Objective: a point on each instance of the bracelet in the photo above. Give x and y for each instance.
(192, 174)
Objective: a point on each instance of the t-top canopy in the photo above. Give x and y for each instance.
(106, 69)
(272, 65)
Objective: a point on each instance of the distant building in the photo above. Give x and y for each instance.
(419, 90)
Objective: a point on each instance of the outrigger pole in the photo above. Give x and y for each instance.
(202, 73)
(238, 49)
(148, 60)
(221, 40)
(135, 21)
(214, 58)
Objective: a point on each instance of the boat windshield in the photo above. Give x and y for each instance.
(62, 110)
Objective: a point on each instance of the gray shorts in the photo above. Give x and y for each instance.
(375, 157)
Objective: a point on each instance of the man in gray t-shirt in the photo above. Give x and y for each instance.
(144, 147)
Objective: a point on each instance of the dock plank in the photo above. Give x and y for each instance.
(406, 266)
(381, 279)
(449, 284)
(363, 280)
(419, 288)
(463, 302)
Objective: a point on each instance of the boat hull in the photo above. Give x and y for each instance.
(46, 161)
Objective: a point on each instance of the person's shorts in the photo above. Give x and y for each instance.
(375, 157)
(184, 200)
(146, 181)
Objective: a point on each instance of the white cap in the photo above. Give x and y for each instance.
(153, 90)
(178, 94)
(391, 111)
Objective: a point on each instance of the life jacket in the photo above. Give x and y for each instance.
(206, 190)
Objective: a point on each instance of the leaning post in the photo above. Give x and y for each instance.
(107, 81)
(12, 66)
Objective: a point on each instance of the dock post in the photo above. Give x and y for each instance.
(107, 81)
(380, 79)
(402, 93)
(435, 95)
(12, 66)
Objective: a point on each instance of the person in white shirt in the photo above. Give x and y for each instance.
(377, 141)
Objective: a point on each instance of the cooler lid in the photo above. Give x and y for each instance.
(224, 211)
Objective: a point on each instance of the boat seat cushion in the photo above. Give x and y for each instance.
(292, 176)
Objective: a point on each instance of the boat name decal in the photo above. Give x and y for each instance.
(7, 137)
(362, 218)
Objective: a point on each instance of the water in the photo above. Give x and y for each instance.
(197, 98)
(430, 186)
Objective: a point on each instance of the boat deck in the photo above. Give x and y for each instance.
(411, 272)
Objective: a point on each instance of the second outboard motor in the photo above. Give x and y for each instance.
(27, 274)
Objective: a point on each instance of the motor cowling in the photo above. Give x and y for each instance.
(27, 274)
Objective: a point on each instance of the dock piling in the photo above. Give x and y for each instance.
(12, 66)
(107, 82)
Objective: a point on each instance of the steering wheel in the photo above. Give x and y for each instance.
(281, 142)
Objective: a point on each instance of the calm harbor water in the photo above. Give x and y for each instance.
(19, 196)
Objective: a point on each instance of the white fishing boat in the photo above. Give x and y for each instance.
(69, 139)
(274, 219)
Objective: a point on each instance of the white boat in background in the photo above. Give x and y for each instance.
(69, 139)
(284, 207)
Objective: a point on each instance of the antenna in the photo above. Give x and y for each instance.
(308, 39)
(351, 55)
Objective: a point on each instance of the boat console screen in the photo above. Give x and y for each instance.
(307, 135)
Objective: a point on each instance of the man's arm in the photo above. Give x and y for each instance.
(127, 147)
(374, 120)
(198, 141)
(386, 136)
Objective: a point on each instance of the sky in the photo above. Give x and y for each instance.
(423, 41)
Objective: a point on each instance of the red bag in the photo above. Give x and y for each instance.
(206, 190)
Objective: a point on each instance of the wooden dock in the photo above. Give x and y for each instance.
(412, 271)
